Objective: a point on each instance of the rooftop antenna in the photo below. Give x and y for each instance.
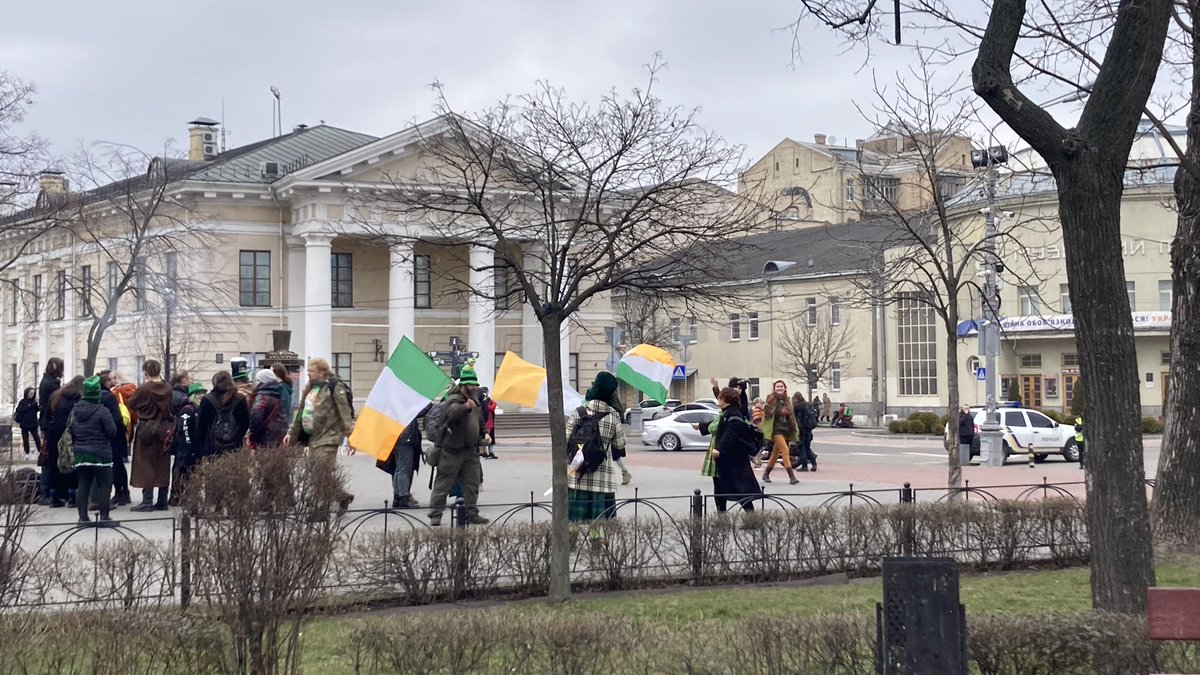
(277, 120)
(224, 133)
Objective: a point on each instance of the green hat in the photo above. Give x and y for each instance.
(91, 389)
(603, 387)
(196, 388)
(467, 376)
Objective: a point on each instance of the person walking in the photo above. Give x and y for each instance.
(223, 418)
(404, 462)
(593, 494)
(268, 414)
(826, 408)
(51, 382)
(966, 434)
(459, 449)
(324, 420)
(806, 421)
(618, 406)
(1079, 438)
(92, 430)
(779, 427)
(735, 441)
(26, 417)
(151, 457)
(741, 384)
(62, 401)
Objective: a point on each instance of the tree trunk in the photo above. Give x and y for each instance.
(1177, 492)
(1122, 558)
(950, 437)
(560, 535)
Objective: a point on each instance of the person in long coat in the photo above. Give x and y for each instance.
(151, 457)
(735, 441)
(594, 495)
(48, 454)
(60, 404)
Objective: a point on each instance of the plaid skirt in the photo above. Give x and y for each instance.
(584, 505)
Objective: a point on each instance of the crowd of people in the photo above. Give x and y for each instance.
(86, 430)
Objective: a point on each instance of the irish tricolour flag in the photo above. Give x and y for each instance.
(407, 384)
(647, 369)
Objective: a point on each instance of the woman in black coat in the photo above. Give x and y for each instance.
(737, 441)
(62, 485)
(26, 418)
(223, 400)
(51, 381)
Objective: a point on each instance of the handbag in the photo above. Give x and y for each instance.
(433, 456)
(66, 447)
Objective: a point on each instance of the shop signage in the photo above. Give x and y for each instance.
(1063, 323)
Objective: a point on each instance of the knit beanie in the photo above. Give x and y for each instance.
(266, 376)
(196, 388)
(91, 389)
(467, 376)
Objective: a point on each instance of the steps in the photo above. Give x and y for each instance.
(521, 424)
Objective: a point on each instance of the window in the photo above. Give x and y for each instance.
(112, 364)
(341, 275)
(835, 376)
(850, 190)
(138, 362)
(1070, 360)
(111, 281)
(16, 299)
(254, 279)
(1027, 298)
(735, 327)
(504, 281)
(1165, 295)
(792, 213)
(1040, 421)
(1014, 418)
(882, 189)
(574, 372)
(1031, 360)
(1129, 290)
(676, 329)
(810, 311)
(343, 367)
(948, 186)
(171, 267)
(139, 289)
(37, 296)
(753, 318)
(60, 295)
(835, 312)
(12, 379)
(752, 391)
(1166, 358)
(422, 277)
(1064, 297)
(693, 330)
(916, 330)
(85, 291)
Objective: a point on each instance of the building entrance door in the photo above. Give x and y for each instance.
(1031, 391)
(1069, 381)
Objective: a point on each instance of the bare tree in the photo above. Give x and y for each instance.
(811, 345)
(576, 201)
(20, 154)
(135, 229)
(644, 318)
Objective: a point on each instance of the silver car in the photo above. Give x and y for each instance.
(652, 410)
(675, 431)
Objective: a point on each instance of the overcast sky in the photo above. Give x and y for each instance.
(136, 71)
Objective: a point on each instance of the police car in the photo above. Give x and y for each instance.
(1025, 427)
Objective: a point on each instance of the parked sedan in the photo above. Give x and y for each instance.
(652, 410)
(1031, 427)
(708, 403)
(675, 431)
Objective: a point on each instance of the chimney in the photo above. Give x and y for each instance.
(52, 181)
(202, 139)
(819, 138)
(859, 143)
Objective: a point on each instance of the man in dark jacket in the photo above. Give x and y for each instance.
(120, 447)
(404, 462)
(92, 430)
(966, 434)
(806, 420)
(459, 461)
(268, 412)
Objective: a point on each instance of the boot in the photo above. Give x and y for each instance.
(814, 463)
(792, 477)
(767, 476)
(143, 507)
(122, 498)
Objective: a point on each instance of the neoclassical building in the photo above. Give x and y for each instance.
(266, 236)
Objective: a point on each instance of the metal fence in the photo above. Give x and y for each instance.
(394, 553)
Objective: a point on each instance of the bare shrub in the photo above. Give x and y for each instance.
(262, 545)
(15, 563)
(126, 573)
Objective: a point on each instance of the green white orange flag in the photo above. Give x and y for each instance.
(407, 384)
(648, 369)
(522, 383)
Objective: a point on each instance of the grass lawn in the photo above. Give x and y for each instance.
(1005, 593)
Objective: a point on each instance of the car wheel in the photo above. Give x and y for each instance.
(1040, 457)
(1007, 450)
(669, 442)
(1071, 451)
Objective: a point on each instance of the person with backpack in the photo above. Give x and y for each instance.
(268, 414)
(806, 420)
(734, 441)
(596, 428)
(26, 417)
(92, 429)
(285, 389)
(185, 445)
(223, 418)
(58, 414)
(457, 444)
(151, 466)
(324, 421)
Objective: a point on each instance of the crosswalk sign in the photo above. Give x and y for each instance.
(680, 373)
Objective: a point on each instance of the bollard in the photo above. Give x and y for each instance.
(1030, 452)
(697, 536)
(697, 504)
(185, 561)
(907, 533)
(460, 512)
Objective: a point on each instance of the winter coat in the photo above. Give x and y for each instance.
(46, 389)
(332, 418)
(268, 417)
(56, 425)
(26, 414)
(123, 393)
(120, 446)
(151, 467)
(743, 400)
(966, 427)
(806, 421)
(184, 445)
(783, 409)
(735, 447)
(463, 425)
(209, 413)
(612, 435)
(92, 431)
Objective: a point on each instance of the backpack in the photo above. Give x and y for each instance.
(66, 447)
(586, 439)
(224, 431)
(436, 423)
(808, 420)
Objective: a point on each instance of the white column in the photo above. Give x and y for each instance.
(318, 312)
(481, 313)
(295, 293)
(22, 333)
(532, 349)
(402, 313)
(71, 319)
(564, 346)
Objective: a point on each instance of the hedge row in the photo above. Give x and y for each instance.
(507, 642)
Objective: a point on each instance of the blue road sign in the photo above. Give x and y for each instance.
(680, 373)
(981, 374)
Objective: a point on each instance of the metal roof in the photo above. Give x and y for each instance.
(816, 251)
(292, 152)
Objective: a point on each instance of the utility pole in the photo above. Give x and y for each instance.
(991, 444)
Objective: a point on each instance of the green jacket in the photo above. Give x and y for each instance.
(463, 429)
(332, 420)
(768, 427)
